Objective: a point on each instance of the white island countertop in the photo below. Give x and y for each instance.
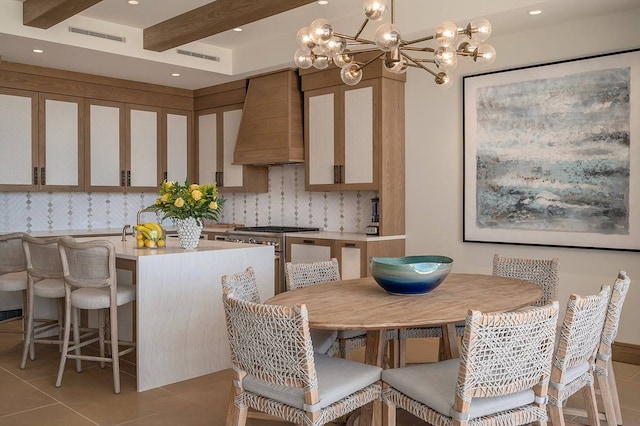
(179, 317)
(352, 236)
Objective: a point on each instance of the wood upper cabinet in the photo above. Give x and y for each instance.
(41, 138)
(177, 145)
(123, 147)
(342, 138)
(217, 132)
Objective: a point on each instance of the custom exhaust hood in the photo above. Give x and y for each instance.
(271, 129)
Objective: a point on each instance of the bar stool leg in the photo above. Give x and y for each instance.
(29, 348)
(115, 355)
(101, 333)
(65, 340)
(76, 337)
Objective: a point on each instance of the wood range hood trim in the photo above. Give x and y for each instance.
(271, 129)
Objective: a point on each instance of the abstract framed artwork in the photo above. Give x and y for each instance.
(552, 154)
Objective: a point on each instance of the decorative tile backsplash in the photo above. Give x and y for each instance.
(286, 203)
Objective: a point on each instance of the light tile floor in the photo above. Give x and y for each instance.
(29, 397)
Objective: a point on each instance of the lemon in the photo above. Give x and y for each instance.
(139, 236)
(139, 243)
(150, 244)
(161, 243)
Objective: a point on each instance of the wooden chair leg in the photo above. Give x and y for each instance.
(607, 400)
(101, 336)
(556, 415)
(590, 405)
(402, 349)
(115, 352)
(233, 412)
(60, 322)
(76, 337)
(614, 393)
(28, 346)
(65, 341)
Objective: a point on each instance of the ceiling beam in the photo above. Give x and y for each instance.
(46, 13)
(212, 18)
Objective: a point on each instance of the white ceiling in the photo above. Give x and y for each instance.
(264, 45)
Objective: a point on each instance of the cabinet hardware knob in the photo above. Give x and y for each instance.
(128, 177)
(121, 177)
(165, 175)
(35, 175)
(349, 244)
(336, 174)
(309, 241)
(43, 176)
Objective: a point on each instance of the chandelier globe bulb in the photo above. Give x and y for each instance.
(336, 45)
(444, 80)
(445, 57)
(321, 62)
(320, 31)
(446, 33)
(480, 29)
(351, 74)
(342, 59)
(387, 37)
(303, 38)
(374, 10)
(485, 55)
(303, 58)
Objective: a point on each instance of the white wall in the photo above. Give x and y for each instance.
(434, 170)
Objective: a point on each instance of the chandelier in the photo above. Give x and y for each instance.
(320, 45)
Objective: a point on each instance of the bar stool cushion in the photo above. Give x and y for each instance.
(49, 287)
(13, 281)
(337, 378)
(434, 385)
(98, 298)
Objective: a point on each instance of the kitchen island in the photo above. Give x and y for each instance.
(180, 326)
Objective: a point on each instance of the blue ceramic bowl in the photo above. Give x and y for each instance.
(410, 275)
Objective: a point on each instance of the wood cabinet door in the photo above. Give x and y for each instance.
(18, 140)
(360, 138)
(177, 145)
(105, 146)
(320, 125)
(61, 148)
(352, 257)
(307, 250)
(207, 141)
(143, 143)
(233, 174)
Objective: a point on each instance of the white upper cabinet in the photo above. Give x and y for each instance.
(341, 138)
(177, 145)
(217, 133)
(143, 152)
(41, 138)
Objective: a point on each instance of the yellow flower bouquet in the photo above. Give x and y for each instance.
(182, 201)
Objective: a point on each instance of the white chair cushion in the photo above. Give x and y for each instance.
(50, 288)
(13, 281)
(98, 298)
(348, 334)
(337, 379)
(574, 372)
(434, 385)
(322, 339)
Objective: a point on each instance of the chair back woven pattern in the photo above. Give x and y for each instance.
(271, 343)
(299, 275)
(503, 353)
(43, 257)
(88, 264)
(243, 285)
(543, 273)
(614, 309)
(11, 253)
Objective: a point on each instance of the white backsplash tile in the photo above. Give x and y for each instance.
(286, 204)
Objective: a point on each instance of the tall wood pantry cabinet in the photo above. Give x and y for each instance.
(354, 137)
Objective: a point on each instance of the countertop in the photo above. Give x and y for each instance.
(351, 236)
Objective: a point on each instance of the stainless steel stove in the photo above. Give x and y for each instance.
(268, 235)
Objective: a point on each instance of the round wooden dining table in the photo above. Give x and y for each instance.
(360, 304)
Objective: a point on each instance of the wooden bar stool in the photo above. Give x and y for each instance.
(13, 272)
(89, 270)
(44, 272)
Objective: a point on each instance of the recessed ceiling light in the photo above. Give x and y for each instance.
(237, 30)
(535, 12)
(133, 2)
(323, 2)
(38, 51)
(175, 74)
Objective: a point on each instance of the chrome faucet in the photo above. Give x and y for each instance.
(124, 232)
(145, 210)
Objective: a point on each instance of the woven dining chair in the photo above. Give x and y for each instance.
(243, 285)
(501, 377)
(604, 373)
(276, 371)
(13, 273)
(45, 280)
(89, 270)
(300, 275)
(574, 358)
